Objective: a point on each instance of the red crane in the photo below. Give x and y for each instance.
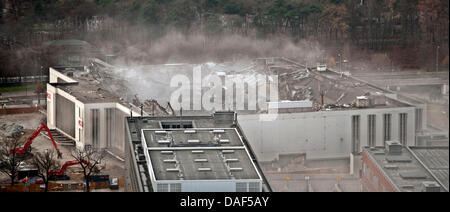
(27, 147)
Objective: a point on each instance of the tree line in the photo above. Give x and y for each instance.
(394, 26)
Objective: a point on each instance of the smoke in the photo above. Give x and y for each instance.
(176, 47)
(145, 75)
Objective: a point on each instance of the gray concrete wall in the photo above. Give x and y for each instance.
(323, 134)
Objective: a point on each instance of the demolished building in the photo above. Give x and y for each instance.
(322, 115)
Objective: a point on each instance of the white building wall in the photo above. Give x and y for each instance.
(205, 185)
(324, 134)
(51, 113)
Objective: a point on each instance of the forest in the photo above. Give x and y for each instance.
(407, 34)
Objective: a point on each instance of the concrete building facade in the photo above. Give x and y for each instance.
(326, 134)
(335, 126)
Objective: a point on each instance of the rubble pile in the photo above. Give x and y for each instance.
(11, 130)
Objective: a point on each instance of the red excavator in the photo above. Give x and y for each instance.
(27, 147)
(60, 174)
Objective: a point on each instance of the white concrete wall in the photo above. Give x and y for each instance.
(323, 134)
(51, 112)
(54, 75)
(206, 185)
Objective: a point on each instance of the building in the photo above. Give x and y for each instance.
(345, 115)
(396, 168)
(322, 115)
(190, 154)
(81, 110)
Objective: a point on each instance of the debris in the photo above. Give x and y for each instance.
(11, 130)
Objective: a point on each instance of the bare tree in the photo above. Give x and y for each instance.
(45, 162)
(10, 160)
(89, 160)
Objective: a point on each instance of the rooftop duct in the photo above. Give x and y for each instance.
(393, 147)
(362, 102)
(431, 186)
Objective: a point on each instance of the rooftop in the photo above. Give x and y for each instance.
(193, 147)
(406, 171)
(435, 159)
(90, 87)
(105, 83)
(340, 90)
(205, 164)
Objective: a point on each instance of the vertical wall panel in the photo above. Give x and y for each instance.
(65, 115)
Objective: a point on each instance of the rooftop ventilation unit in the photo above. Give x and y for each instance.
(412, 175)
(203, 169)
(235, 169)
(409, 187)
(197, 151)
(201, 160)
(218, 131)
(391, 167)
(193, 141)
(224, 140)
(398, 158)
(394, 147)
(228, 151)
(362, 101)
(430, 186)
(163, 142)
(167, 152)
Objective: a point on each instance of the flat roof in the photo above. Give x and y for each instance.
(215, 137)
(210, 148)
(436, 160)
(404, 170)
(202, 164)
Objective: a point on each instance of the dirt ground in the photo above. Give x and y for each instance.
(30, 121)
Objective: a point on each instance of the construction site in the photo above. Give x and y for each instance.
(325, 119)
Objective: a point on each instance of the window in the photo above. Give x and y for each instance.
(109, 126)
(95, 127)
(387, 127)
(162, 187)
(355, 134)
(418, 119)
(175, 187)
(176, 124)
(402, 128)
(241, 187)
(253, 187)
(371, 130)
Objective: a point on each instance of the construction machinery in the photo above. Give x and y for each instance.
(27, 147)
(60, 174)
